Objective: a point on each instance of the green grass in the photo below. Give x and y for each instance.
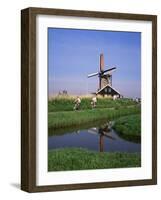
(81, 159)
(67, 103)
(75, 118)
(129, 127)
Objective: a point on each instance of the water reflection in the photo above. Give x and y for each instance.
(99, 138)
(103, 131)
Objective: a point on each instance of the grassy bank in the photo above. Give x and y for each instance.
(73, 118)
(71, 129)
(129, 127)
(67, 103)
(79, 159)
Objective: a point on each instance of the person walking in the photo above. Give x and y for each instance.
(77, 103)
(93, 102)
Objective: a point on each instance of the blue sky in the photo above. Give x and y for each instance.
(73, 54)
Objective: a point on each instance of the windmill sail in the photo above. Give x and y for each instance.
(94, 74)
(101, 62)
(109, 70)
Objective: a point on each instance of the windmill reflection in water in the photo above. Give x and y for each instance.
(103, 131)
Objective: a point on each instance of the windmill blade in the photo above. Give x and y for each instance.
(94, 74)
(93, 131)
(109, 135)
(109, 70)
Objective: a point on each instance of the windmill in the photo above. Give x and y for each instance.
(105, 80)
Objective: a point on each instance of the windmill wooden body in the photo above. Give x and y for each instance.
(105, 80)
